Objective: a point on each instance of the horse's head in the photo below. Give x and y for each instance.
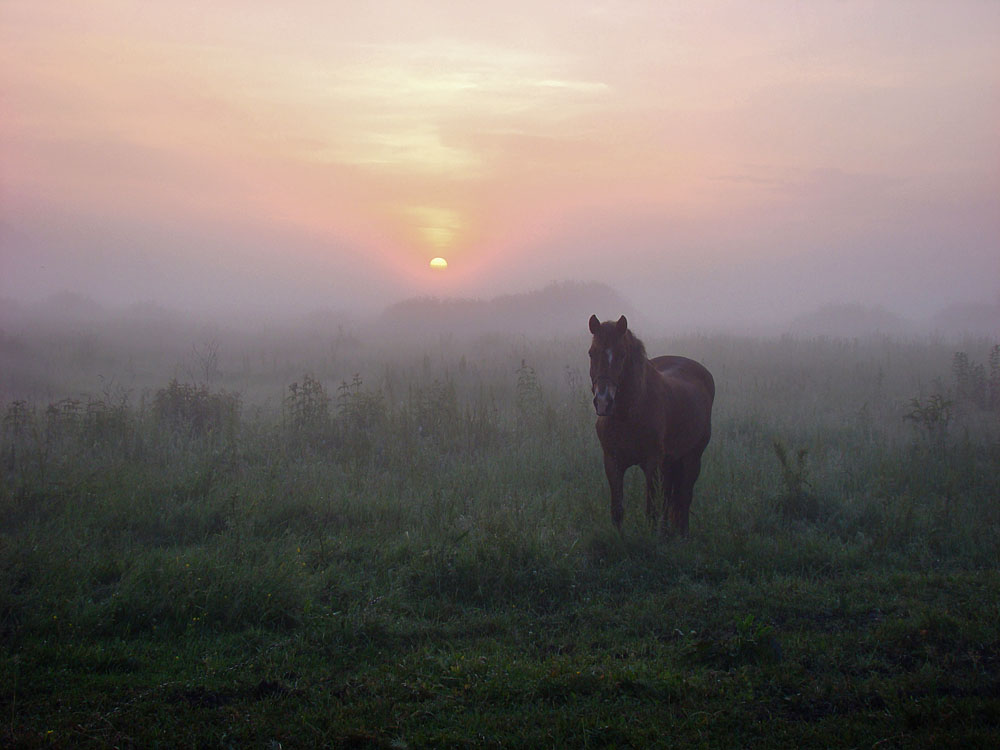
(610, 352)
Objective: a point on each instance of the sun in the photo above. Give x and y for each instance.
(439, 264)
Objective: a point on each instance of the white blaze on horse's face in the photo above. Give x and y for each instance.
(607, 363)
(608, 358)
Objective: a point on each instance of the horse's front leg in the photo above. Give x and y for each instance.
(615, 473)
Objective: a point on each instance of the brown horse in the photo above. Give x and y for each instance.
(654, 413)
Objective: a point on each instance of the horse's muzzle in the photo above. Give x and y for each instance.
(604, 398)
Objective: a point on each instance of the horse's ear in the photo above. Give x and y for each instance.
(621, 326)
(595, 324)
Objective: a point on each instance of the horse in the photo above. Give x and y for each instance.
(654, 413)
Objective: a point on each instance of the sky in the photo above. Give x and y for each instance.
(712, 161)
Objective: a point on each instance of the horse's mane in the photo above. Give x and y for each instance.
(636, 349)
(637, 370)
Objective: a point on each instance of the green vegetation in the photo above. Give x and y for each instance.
(420, 554)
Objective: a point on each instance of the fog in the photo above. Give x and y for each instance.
(751, 294)
(708, 167)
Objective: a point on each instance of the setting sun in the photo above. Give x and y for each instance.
(742, 162)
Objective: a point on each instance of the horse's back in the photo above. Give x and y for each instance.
(687, 371)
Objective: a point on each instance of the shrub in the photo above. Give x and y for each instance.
(193, 410)
(974, 384)
(307, 414)
(434, 411)
(796, 502)
(18, 421)
(994, 382)
(361, 417)
(931, 417)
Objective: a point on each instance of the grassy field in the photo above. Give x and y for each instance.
(346, 547)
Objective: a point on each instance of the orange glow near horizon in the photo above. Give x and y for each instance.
(490, 135)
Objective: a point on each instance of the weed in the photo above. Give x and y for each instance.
(435, 412)
(931, 417)
(796, 502)
(307, 412)
(973, 384)
(426, 560)
(207, 358)
(361, 419)
(748, 642)
(994, 381)
(194, 410)
(529, 392)
(17, 421)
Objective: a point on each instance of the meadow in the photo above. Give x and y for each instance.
(332, 543)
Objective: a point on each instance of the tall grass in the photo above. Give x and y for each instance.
(457, 498)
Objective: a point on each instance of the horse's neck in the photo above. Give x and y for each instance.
(635, 394)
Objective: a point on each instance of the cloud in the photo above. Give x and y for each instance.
(529, 141)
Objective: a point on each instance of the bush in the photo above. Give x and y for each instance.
(193, 410)
(307, 412)
(931, 416)
(797, 502)
(973, 384)
(361, 419)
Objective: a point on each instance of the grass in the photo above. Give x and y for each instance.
(421, 555)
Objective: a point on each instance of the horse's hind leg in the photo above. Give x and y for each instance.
(656, 486)
(669, 472)
(688, 469)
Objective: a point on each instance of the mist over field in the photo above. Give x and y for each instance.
(718, 165)
(395, 531)
(233, 278)
(297, 432)
(70, 345)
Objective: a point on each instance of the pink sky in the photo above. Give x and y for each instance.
(709, 160)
